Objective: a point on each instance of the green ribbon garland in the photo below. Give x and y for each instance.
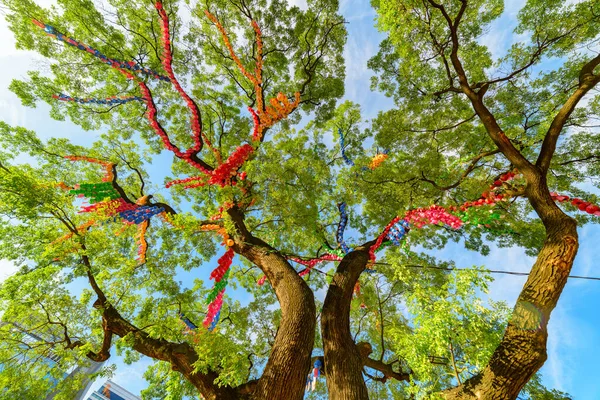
(217, 288)
(97, 192)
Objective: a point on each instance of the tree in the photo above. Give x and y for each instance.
(270, 196)
(519, 112)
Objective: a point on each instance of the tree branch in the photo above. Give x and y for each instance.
(590, 157)
(453, 359)
(181, 356)
(466, 173)
(344, 361)
(476, 98)
(387, 370)
(289, 360)
(587, 80)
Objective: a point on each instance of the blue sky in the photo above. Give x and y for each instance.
(574, 329)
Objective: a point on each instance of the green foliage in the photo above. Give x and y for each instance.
(407, 312)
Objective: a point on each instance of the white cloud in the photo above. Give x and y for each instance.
(7, 268)
(500, 36)
(362, 44)
(560, 341)
(302, 4)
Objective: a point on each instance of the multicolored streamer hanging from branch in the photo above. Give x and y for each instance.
(265, 115)
(215, 297)
(129, 65)
(435, 214)
(108, 101)
(214, 310)
(167, 61)
(342, 227)
(453, 217)
(106, 202)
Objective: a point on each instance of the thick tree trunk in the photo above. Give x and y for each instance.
(284, 376)
(343, 361)
(522, 350)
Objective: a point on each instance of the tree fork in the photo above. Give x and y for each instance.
(181, 356)
(284, 376)
(344, 361)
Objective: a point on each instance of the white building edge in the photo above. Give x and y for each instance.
(114, 389)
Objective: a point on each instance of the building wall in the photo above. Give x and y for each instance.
(112, 391)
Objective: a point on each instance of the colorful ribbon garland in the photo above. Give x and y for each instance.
(436, 214)
(215, 297)
(267, 115)
(454, 217)
(279, 109)
(108, 101)
(129, 65)
(343, 148)
(342, 227)
(167, 65)
(107, 202)
(214, 310)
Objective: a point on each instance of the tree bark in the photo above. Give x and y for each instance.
(284, 376)
(344, 363)
(522, 350)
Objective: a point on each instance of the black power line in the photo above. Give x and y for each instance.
(493, 271)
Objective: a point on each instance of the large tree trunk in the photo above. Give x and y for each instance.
(284, 376)
(522, 350)
(344, 363)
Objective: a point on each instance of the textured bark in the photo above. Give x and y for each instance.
(343, 359)
(284, 376)
(522, 350)
(365, 349)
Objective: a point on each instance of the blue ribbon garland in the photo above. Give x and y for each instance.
(131, 65)
(342, 227)
(140, 214)
(398, 231)
(343, 146)
(122, 100)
